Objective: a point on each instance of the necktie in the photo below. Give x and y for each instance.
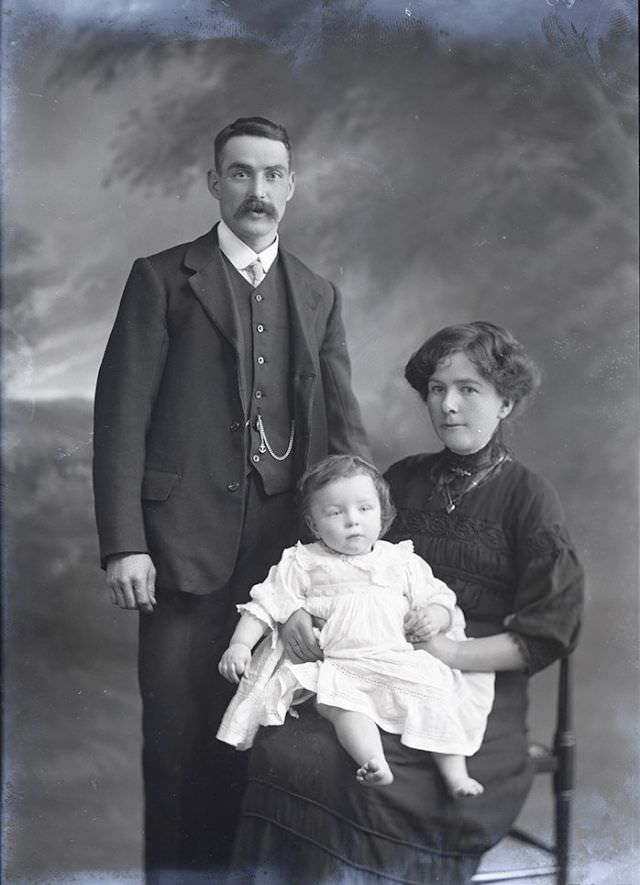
(256, 272)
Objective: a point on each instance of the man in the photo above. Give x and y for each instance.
(226, 375)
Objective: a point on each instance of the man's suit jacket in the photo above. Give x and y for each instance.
(169, 442)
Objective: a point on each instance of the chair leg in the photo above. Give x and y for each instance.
(563, 826)
(564, 778)
(564, 748)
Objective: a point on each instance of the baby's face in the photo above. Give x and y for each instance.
(345, 514)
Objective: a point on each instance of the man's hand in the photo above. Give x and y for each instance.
(298, 638)
(131, 579)
(235, 662)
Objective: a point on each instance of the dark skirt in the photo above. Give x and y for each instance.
(306, 820)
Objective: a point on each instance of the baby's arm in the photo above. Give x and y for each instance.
(236, 659)
(425, 623)
(432, 605)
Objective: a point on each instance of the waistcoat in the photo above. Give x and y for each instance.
(263, 315)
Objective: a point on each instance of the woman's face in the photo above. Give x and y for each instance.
(465, 408)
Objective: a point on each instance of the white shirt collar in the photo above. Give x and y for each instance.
(239, 254)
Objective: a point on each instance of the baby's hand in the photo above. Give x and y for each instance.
(423, 624)
(235, 661)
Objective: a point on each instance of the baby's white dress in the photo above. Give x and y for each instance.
(368, 665)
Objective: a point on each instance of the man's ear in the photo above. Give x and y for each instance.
(292, 185)
(213, 183)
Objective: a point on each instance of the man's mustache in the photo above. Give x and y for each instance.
(251, 204)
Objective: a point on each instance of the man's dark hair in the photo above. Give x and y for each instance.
(258, 126)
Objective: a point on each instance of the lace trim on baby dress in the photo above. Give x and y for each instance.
(385, 561)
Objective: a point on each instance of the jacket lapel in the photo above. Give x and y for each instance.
(305, 358)
(210, 286)
(303, 304)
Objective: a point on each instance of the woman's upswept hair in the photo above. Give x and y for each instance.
(341, 467)
(495, 353)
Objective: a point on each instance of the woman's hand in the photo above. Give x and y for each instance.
(299, 640)
(446, 650)
(235, 662)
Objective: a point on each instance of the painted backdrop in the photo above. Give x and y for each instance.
(455, 161)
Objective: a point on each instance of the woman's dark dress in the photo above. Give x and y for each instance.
(505, 552)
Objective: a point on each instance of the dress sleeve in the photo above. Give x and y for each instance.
(282, 593)
(545, 621)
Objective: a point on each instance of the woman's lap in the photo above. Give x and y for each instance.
(304, 810)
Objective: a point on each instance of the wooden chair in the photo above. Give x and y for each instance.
(557, 761)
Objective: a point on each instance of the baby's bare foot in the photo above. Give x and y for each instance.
(465, 787)
(375, 772)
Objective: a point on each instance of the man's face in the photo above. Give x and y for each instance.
(254, 185)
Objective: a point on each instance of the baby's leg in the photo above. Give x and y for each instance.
(360, 737)
(454, 771)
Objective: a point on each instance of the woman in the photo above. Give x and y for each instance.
(494, 532)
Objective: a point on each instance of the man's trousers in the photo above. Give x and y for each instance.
(193, 784)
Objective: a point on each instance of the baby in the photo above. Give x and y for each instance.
(361, 589)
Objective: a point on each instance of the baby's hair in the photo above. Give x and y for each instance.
(341, 467)
(493, 350)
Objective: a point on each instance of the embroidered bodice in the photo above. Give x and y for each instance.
(504, 550)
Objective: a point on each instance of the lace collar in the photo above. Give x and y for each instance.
(467, 465)
(457, 475)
